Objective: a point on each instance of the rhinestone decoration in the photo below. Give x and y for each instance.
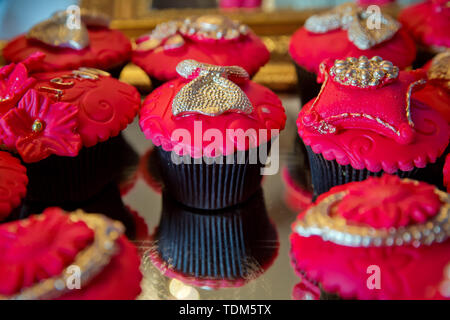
(318, 222)
(91, 260)
(169, 35)
(55, 32)
(212, 90)
(354, 19)
(37, 126)
(440, 68)
(363, 72)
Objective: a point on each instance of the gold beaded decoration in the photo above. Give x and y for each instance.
(211, 92)
(318, 222)
(440, 68)
(38, 126)
(363, 72)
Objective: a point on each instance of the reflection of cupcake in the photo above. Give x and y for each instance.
(93, 44)
(428, 22)
(383, 238)
(226, 249)
(212, 130)
(364, 123)
(83, 257)
(344, 32)
(13, 184)
(66, 127)
(436, 93)
(208, 39)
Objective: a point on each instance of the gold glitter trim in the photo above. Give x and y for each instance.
(440, 69)
(212, 92)
(318, 222)
(408, 99)
(91, 261)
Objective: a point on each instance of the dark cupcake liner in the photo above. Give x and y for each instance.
(297, 164)
(117, 70)
(308, 88)
(326, 174)
(233, 244)
(107, 202)
(210, 185)
(72, 179)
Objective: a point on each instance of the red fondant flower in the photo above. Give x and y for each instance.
(389, 202)
(39, 249)
(38, 128)
(14, 82)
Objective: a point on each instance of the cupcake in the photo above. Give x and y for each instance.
(344, 32)
(428, 22)
(91, 43)
(226, 249)
(208, 39)
(212, 129)
(364, 123)
(81, 257)
(447, 173)
(13, 184)
(383, 238)
(65, 126)
(436, 93)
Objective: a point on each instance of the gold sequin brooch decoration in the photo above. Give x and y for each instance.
(212, 91)
(365, 29)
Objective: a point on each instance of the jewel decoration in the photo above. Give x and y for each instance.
(363, 72)
(170, 35)
(211, 91)
(57, 31)
(91, 260)
(355, 20)
(440, 69)
(318, 221)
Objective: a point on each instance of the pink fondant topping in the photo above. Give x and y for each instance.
(38, 128)
(388, 202)
(159, 54)
(14, 82)
(13, 183)
(310, 49)
(428, 22)
(383, 108)
(447, 173)
(194, 135)
(39, 249)
(107, 49)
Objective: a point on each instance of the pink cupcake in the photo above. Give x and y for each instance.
(383, 238)
(428, 22)
(343, 32)
(212, 129)
(65, 126)
(69, 244)
(208, 39)
(89, 44)
(365, 122)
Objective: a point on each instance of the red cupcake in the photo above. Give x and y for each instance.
(208, 39)
(383, 238)
(13, 184)
(428, 22)
(88, 43)
(81, 257)
(65, 126)
(364, 122)
(212, 130)
(345, 32)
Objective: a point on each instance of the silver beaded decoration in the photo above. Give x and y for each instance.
(318, 222)
(212, 92)
(363, 72)
(354, 19)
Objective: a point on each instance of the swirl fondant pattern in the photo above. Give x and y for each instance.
(13, 183)
(107, 49)
(158, 123)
